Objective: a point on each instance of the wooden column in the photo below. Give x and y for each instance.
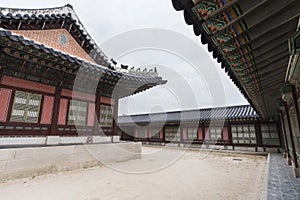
(181, 134)
(285, 136)
(164, 133)
(292, 138)
(203, 133)
(97, 113)
(148, 133)
(258, 134)
(11, 104)
(1, 72)
(295, 101)
(115, 119)
(280, 135)
(230, 133)
(54, 122)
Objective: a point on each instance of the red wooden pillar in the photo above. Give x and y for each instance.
(280, 135)
(164, 133)
(295, 101)
(229, 133)
(97, 113)
(1, 72)
(115, 118)
(148, 133)
(54, 122)
(283, 127)
(258, 134)
(292, 140)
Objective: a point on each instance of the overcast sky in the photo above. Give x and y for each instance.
(195, 80)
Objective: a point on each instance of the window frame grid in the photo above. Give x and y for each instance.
(28, 108)
(77, 111)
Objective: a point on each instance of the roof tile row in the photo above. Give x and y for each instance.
(202, 115)
(84, 64)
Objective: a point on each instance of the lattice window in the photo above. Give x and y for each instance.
(155, 133)
(270, 134)
(243, 134)
(215, 133)
(26, 107)
(172, 133)
(77, 113)
(106, 116)
(141, 132)
(192, 133)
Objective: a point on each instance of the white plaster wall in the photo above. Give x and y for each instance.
(72, 140)
(55, 140)
(22, 141)
(27, 162)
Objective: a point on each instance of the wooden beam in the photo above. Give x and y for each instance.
(272, 74)
(284, 16)
(278, 59)
(272, 85)
(44, 24)
(269, 68)
(63, 23)
(71, 25)
(239, 17)
(23, 64)
(274, 61)
(268, 52)
(19, 26)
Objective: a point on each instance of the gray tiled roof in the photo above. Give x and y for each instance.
(84, 64)
(47, 14)
(202, 115)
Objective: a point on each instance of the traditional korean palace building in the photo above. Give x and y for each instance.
(55, 80)
(258, 44)
(228, 126)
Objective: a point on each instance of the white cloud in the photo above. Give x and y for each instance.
(105, 19)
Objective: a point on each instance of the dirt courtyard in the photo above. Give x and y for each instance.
(161, 174)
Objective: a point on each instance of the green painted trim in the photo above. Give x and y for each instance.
(206, 29)
(287, 88)
(205, 6)
(243, 25)
(196, 13)
(237, 10)
(292, 44)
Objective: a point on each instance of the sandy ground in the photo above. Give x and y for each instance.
(192, 176)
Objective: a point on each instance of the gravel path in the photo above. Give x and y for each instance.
(193, 175)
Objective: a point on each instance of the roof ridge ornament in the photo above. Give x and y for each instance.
(69, 5)
(138, 72)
